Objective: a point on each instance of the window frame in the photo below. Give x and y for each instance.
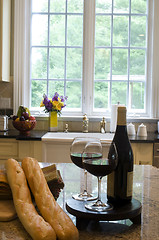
(22, 84)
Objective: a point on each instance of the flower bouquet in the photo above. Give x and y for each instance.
(53, 106)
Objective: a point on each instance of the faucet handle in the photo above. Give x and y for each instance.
(102, 125)
(66, 128)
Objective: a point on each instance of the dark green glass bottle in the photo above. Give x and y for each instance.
(120, 182)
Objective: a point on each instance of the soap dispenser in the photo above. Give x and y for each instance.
(85, 123)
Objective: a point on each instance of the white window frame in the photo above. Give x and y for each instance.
(22, 59)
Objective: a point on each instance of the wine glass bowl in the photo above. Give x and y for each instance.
(76, 153)
(100, 167)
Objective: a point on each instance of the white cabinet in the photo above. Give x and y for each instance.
(5, 22)
(12, 148)
(30, 149)
(8, 149)
(143, 153)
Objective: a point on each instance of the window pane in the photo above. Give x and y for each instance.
(101, 95)
(57, 63)
(75, 31)
(74, 63)
(103, 6)
(138, 31)
(38, 88)
(57, 30)
(119, 64)
(56, 86)
(57, 6)
(121, 6)
(103, 31)
(75, 6)
(119, 92)
(137, 64)
(39, 5)
(137, 95)
(74, 93)
(39, 30)
(39, 63)
(138, 6)
(102, 63)
(120, 31)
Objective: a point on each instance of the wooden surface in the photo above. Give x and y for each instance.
(7, 210)
(130, 211)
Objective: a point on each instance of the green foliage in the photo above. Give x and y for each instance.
(67, 80)
(38, 89)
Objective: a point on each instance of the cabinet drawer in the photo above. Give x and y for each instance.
(8, 149)
(156, 149)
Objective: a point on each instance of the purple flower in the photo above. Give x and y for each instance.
(63, 99)
(55, 97)
(63, 106)
(48, 105)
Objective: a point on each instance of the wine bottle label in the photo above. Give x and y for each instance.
(129, 184)
(110, 185)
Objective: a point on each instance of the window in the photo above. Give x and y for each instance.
(56, 51)
(121, 54)
(97, 52)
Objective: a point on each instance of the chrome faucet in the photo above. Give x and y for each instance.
(85, 123)
(66, 128)
(103, 126)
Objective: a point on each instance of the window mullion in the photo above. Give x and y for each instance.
(88, 56)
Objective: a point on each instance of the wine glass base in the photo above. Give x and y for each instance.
(99, 207)
(84, 197)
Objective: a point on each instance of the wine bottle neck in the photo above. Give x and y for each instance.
(121, 120)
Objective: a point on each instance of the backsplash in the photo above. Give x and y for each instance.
(76, 126)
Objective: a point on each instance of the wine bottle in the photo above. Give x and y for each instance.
(120, 181)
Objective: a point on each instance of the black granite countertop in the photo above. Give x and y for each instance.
(150, 138)
(33, 135)
(36, 135)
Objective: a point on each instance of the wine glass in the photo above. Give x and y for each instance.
(99, 167)
(76, 151)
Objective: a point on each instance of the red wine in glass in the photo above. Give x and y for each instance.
(76, 154)
(100, 167)
(77, 158)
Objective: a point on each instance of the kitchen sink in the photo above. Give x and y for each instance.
(62, 136)
(56, 145)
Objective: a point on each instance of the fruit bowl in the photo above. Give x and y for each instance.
(24, 127)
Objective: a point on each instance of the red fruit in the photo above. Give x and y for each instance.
(25, 115)
(31, 118)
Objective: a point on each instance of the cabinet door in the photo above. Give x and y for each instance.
(30, 149)
(8, 149)
(5, 22)
(144, 153)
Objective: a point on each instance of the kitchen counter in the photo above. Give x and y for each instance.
(145, 189)
(33, 135)
(37, 135)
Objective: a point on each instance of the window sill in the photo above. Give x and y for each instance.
(96, 118)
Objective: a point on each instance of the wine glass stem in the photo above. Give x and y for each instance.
(99, 188)
(85, 180)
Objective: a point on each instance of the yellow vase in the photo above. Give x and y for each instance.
(53, 122)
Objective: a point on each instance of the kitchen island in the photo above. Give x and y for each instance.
(145, 189)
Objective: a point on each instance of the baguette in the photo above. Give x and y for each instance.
(34, 224)
(49, 208)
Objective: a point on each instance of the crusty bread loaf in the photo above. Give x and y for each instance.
(34, 224)
(49, 208)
